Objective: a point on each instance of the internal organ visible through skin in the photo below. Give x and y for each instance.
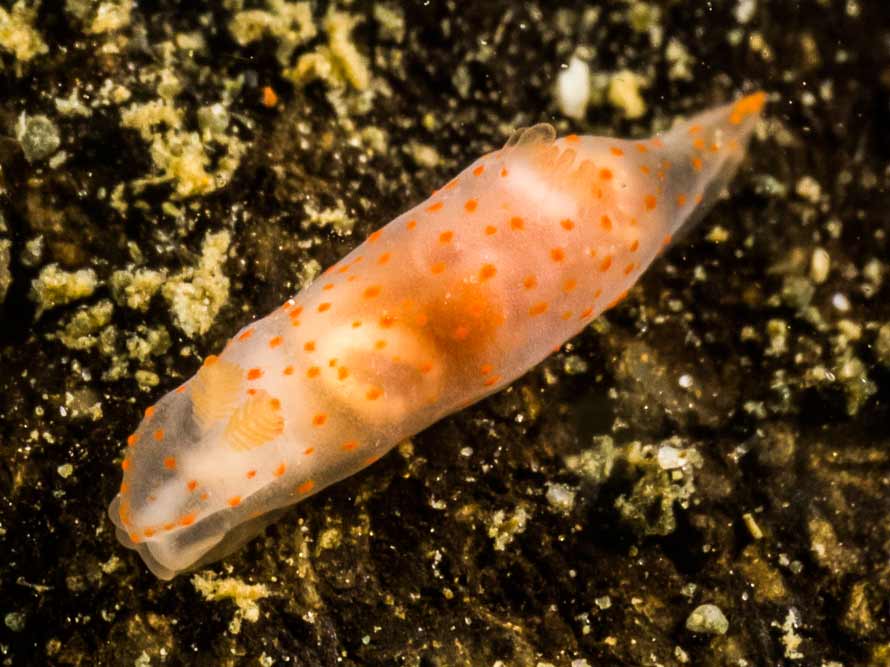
(446, 304)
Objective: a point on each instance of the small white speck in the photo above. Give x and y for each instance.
(840, 302)
(685, 381)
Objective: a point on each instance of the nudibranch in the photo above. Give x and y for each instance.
(446, 304)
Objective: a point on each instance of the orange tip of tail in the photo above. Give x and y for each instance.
(750, 105)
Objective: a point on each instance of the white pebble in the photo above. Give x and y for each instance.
(573, 89)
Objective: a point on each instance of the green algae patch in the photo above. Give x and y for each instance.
(245, 596)
(180, 156)
(57, 287)
(5, 275)
(80, 332)
(102, 17)
(624, 93)
(17, 33)
(339, 62)
(197, 293)
(289, 23)
(135, 288)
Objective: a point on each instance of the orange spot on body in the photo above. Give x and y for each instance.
(606, 264)
(246, 335)
(438, 267)
(342, 373)
(288, 370)
(635, 245)
(181, 389)
(461, 332)
(504, 172)
(470, 205)
(313, 371)
(486, 369)
(319, 419)
(411, 224)
(432, 208)
(306, 486)
(254, 374)
(572, 138)
(606, 223)
(170, 463)
(487, 271)
(187, 519)
(192, 485)
(149, 411)
(628, 269)
(697, 163)
(374, 393)
(493, 380)
(349, 445)
(446, 237)
(125, 465)
(681, 200)
(308, 451)
(478, 170)
(383, 259)
(747, 106)
(569, 284)
(567, 224)
(606, 174)
(529, 282)
(372, 292)
(279, 471)
(234, 501)
(538, 309)
(159, 434)
(322, 307)
(250, 474)
(131, 440)
(375, 236)
(650, 201)
(275, 341)
(617, 152)
(490, 229)
(517, 223)
(557, 254)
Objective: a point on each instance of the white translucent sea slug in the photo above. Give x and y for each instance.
(449, 302)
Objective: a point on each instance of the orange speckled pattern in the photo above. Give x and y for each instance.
(449, 302)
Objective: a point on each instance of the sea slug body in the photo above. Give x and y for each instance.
(449, 302)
